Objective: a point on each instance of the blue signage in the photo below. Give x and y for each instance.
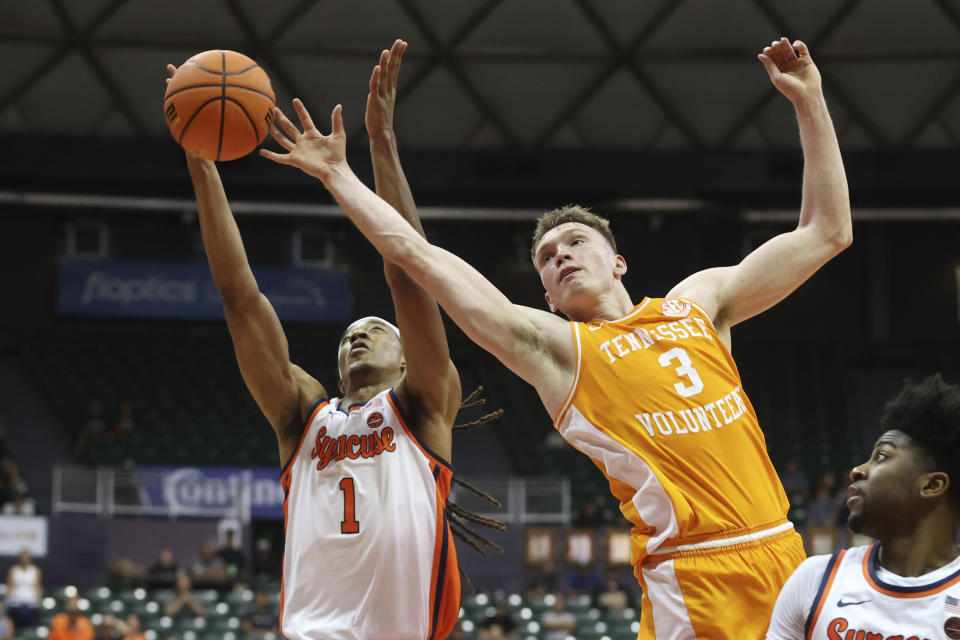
(204, 491)
(186, 292)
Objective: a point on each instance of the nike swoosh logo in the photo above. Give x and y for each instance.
(841, 603)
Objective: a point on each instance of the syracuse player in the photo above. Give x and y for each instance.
(368, 548)
(907, 585)
(649, 391)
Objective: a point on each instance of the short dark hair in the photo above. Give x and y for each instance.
(929, 413)
(570, 213)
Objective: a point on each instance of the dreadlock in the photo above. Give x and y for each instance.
(459, 517)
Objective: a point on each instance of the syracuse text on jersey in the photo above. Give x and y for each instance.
(837, 627)
(715, 414)
(368, 445)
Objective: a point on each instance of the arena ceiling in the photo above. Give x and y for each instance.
(503, 74)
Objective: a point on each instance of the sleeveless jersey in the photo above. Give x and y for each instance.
(855, 603)
(657, 404)
(368, 549)
(25, 583)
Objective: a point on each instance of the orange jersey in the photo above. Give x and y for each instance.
(658, 405)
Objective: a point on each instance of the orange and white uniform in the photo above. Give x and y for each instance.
(658, 405)
(368, 552)
(849, 595)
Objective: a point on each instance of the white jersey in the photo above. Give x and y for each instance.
(26, 583)
(368, 549)
(848, 596)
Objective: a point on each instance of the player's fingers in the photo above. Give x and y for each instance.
(384, 70)
(280, 137)
(281, 158)
(787, 48)
(305, 120)
(801, 48)
(375, 80)
(396, 56)
(768, 63)
(778, 54)
(288, 127)
(336, 119)
(171, 69)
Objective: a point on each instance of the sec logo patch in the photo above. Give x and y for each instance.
(375, 419)
(675, 308)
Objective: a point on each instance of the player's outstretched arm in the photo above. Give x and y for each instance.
(430, 376)
(282, 390)
(534, 344)
(775, 269)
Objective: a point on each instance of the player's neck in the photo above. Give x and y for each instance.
(362, 393)
(611, 304)
(929, 547)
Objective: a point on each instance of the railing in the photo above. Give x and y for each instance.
(242, 494)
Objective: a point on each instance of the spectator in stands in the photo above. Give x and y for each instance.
(71, 624)
(6, 625)
(162, 574)
(584, 580)
(263, 619)
(544, 580)
(108, 629)
(232, 556)
(498, 626)
(558, 623)
(795, 481)
(266, 568)
(24, 591)
(132, 630)
(185, 603)
(21, 505)
(93, 426)
(124, 424)
(208, 570)
(613, 596)
(822, 511)
(589, 516)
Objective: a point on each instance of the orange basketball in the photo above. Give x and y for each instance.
(219, 105)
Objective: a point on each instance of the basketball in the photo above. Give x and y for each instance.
(219, 105)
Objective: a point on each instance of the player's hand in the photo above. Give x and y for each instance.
(310, 151)
(791, 69)
(191, 159)
(171, 69)
(383, 91)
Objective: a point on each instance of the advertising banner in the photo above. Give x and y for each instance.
(185, 291)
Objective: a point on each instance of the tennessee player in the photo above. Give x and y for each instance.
(648, 391)
(907, 585)
(368, 548)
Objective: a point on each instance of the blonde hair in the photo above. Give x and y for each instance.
(570, 213)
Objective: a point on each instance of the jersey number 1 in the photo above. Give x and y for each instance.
(349, 523)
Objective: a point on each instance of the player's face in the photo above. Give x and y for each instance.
(576, 266)
(369, 348)
(885, 490)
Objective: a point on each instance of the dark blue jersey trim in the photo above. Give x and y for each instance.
(399, 409)
(441, 576)
(306, 426)
(820, 593)
(874, 554)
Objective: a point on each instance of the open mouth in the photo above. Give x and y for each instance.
(567, 272)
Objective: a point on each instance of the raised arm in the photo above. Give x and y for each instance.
(430, 377)
(771, 272)
(282, 390)
(534, 344)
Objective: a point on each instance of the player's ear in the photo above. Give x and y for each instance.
(403, 365)
(934, 485)
(553, 307)
(340, 385)
(619, 266)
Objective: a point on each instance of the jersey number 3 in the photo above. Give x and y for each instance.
(685, 371)
(349, 523)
